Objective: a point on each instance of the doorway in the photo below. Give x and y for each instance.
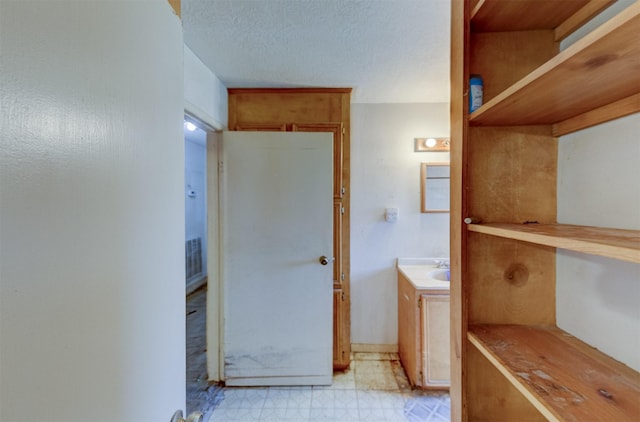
(195, 205)
(199, 268)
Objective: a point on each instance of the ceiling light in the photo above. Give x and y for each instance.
(190, 126)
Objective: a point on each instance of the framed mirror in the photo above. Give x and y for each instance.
(434, 187)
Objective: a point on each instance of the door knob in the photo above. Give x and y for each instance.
(324, 260)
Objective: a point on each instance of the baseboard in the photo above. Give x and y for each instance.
(374, 348)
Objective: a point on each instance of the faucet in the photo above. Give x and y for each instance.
(442, 263)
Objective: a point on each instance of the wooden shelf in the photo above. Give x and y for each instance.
(525, 15)
(564, 378)
(597, 70)
(612, 243)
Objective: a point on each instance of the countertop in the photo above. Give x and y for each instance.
(416, 270)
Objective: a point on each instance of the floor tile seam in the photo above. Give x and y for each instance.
(433, 412)
(239, 408)
(283, 409)
(247, 402)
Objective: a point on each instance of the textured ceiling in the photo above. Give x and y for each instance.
(388, 51)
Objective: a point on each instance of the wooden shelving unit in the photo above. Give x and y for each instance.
(564, 378)
(509, 360)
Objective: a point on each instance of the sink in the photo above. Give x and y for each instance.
(439, 274)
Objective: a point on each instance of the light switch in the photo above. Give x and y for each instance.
(391, 215)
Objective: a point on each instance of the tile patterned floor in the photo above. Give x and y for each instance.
(371, 391)
(374, 389)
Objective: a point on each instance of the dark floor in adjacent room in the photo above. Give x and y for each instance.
(201, 395)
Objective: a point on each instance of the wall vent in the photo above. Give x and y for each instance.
(193, 258)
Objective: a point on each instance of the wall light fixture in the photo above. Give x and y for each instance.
(431, 144)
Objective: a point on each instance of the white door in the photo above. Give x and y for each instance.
(276, 225)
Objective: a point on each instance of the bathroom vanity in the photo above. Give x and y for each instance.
(423, 322)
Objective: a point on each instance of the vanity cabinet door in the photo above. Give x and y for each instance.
(435, 340)
(409, 329)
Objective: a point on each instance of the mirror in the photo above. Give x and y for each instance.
(434, 187)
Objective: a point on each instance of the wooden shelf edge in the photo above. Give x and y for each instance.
(579, 18)
(561, 376)
(475, 9)
(611, 243)
(537, 17)
(615, 110)
(488, 114)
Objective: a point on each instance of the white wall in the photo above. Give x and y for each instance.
(91, 212)
(599, 185)
(385, 172)
(205, 96)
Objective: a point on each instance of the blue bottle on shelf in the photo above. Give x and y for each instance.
(475, 93)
